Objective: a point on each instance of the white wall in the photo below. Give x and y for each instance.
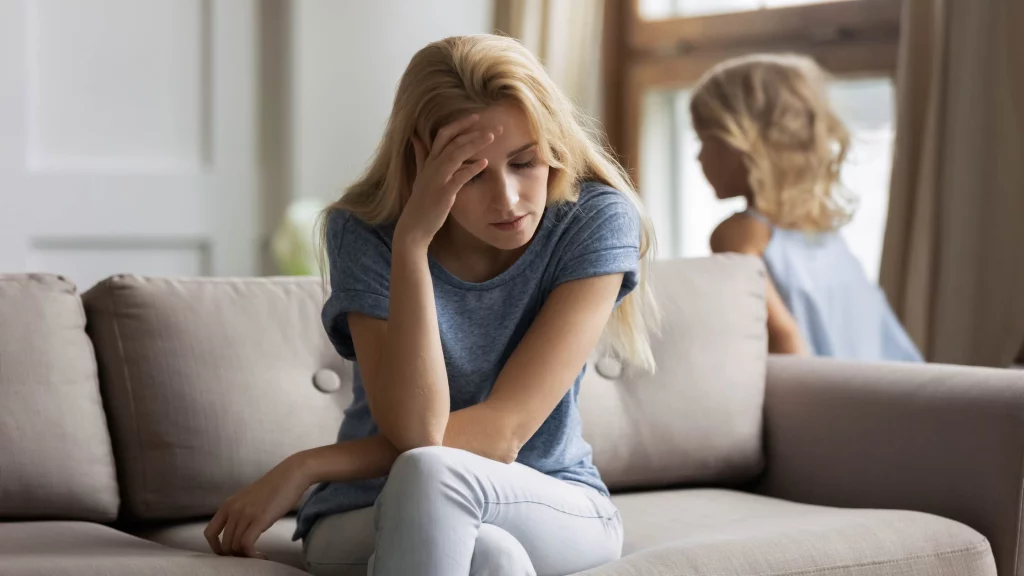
(347, 59)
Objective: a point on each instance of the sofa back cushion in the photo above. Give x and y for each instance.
(211, 382)
(56, 459)
(697, 420)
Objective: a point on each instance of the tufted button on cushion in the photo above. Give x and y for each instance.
(608, 367)
(326, 380)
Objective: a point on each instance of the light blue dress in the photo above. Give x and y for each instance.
(839, 311)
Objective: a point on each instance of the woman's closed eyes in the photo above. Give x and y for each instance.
(532, 162)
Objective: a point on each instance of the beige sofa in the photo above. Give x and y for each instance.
(128, 414)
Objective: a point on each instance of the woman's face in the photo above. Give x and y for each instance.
(723, 167)
(502, 206)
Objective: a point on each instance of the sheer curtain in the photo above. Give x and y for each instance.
(953, 263)
(566, 36)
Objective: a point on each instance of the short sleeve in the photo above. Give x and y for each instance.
(360, 269)
(602, 237)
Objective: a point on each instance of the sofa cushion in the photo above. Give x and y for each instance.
(56, 459)
(698, 419)
(724, 533)
(276, 542)
(210, 383)
(86, 549)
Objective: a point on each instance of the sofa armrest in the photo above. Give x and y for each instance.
(941, 439)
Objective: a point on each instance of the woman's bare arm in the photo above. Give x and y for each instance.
(537, 375)
(404, 374)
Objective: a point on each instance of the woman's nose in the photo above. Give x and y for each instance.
(508, 193)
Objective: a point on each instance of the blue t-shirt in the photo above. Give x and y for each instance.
(480, 325)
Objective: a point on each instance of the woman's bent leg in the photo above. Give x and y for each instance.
(498, 553)
(429, 515)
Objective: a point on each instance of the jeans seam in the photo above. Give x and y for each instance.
(555, 508)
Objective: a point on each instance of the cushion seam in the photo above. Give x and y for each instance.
(825, 569)
(128, 387)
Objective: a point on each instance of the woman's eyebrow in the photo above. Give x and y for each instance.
(522, 149)
(519, 150)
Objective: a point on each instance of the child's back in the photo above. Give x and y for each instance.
(769, 135)
(840, 313)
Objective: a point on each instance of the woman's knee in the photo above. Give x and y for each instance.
(420, 472)
(498, 553)
(429, 462)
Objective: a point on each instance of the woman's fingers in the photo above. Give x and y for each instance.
(213, 530)
(465, 174)
(449, 132)
(465, 146)
(229, 534)
(247, 543)
(245, 521)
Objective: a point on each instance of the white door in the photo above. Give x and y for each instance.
(128, 137)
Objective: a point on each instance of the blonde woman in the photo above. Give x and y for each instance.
(473, 269)
(769, 135)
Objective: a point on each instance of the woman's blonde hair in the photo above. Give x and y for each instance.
(774, 110)
(456, 76)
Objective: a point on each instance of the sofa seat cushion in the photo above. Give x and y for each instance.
(276, 542)
(724, 533)
(87, 549)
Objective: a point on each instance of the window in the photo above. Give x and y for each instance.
(660, 9)
(656, 49)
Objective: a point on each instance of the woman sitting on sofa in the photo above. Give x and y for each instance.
(473, 269)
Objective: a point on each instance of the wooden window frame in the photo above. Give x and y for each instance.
(847, 37)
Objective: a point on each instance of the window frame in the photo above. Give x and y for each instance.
(848, 38)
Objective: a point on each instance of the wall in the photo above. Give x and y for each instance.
(347, 58)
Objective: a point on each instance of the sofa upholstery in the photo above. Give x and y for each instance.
(210, 383)
(698, 418)
(56, 459)
(58, 548)
(948, 440)
(714, 532)
(206, 383)
(276, 542)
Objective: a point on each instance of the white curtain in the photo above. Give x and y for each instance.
(566, 36)
(953, 263)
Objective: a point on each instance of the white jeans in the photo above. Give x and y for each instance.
(449, 512)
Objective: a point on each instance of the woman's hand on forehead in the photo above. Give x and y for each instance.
(441, 171)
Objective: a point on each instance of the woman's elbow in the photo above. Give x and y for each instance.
(404, 442)
(406, 435)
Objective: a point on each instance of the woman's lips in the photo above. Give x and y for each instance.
(510, 225)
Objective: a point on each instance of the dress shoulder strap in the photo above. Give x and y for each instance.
(753, 213)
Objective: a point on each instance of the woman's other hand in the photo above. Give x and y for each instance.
(246, 515)
(441, 172)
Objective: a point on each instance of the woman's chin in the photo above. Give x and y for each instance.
(511, 239)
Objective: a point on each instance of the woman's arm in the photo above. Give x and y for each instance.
(538, 374)
(745, 235)
(404, 375)
(408, 395)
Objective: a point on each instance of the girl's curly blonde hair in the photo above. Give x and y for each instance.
(774, 110)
